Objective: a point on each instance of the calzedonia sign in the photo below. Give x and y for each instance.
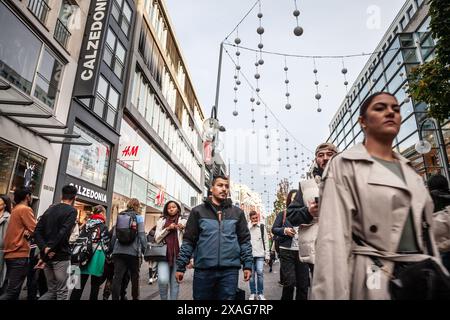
(89, 193)
(91, 50)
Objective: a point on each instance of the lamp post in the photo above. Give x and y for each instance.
(423, 146)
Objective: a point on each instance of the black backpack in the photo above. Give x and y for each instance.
(82, 249)
(126, 227)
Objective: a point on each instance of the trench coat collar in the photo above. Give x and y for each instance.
(379, 174)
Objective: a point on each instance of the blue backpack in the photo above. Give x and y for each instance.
(126, 227)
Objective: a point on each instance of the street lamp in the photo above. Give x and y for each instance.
(423, 146)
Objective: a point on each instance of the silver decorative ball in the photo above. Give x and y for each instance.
(265, 117)
(235, 88)
(296, 156)
(252, 99)
(267, 147)
(298, 31)
(253, 109)
(253, 120)
(318, 96)
(345, 82)
(235, 76)
(344, 70)
(315, 70)
(257, 76)
(287, 94)
(238, 67)
(286, 69)
(260, 15)
(238, 53)
(237, 40)
(316, 82)
(260, 30)
(267, 136)
(287, 139)
(235, 100)
(296, 13)
(235, 113)
(286, 81)
(266, 126)
(258, 89)
(279, 159)
(319, 110)
(260, 46)
(261, 61)
(288, 106)
(258, 103)
(238, 82)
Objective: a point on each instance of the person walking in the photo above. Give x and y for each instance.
(52, 237)
(129, 243)
(261, 254)
(16, 246)
(375, 214)
(5, 213)
(96, 229)
(169, 229)
(218, 233)
(152, 265)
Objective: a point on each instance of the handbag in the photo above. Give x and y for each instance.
(155, 251)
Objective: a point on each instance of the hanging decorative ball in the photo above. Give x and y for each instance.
(266, 126)
(279, 159)
(252, 99)
(238, 67)
(235, 88)
(296, 172)
(238, 53)
(237, 40)
(316, 82)
(261, 61)
(407, 100)
(347, 96)
(287, 149)
(257, 89)
(302, 153)
(256, 64)
(318, 96)
(288, 106)
(235, 100)
(253, 109)
(258, 103)
(288, 163)
(265, 117)
(235, 113)
(315, 70)
(319, 110)
(253, 132)
(399, 63)
(235, 76)
(267, 136)
(267, 147)
(298, 31)
(344, 70)
(257, 76)
(296, 156)
(286, 81)
(296, 13)
(287, 94)
(260, 30)
(287, 139)
(286, 68)
(345, 83)
(238, 82)
(260, 15)
(253, 120)
(260, 46)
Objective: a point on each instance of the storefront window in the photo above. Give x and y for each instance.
(28, 172)
(408, 126)
(122, 180)
(139, 188)
(47, 79)
(8, 155)
(89, 163)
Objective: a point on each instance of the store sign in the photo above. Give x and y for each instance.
(128, 152)
(159, 199)
(89, 193)
(91, 50)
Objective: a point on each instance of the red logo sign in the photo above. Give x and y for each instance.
(130, 151)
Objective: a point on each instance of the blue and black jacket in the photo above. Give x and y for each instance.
(217, 238)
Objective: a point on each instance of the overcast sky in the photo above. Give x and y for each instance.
(330, 28)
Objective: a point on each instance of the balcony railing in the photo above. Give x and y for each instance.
(62, 34)
(40, 9)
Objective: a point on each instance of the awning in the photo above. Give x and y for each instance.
(28, 114)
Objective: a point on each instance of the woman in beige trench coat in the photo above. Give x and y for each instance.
(373, 193)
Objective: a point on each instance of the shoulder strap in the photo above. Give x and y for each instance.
(261, 226)
(284, 217)
(426, 235)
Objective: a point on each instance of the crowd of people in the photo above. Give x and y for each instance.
(363, 226)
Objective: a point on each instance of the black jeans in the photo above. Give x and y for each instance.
(124, 263)
(96, 282)
(295, 276)
(17, 270)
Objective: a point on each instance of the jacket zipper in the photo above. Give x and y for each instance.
(219, 217)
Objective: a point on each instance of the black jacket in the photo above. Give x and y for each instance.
(53, 230)
(296, 214)
(441, 199)
(216, 242)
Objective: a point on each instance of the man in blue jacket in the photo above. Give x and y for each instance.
(217, 236)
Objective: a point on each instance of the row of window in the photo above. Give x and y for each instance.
(152, 167)
(122, 13)
(145, 100)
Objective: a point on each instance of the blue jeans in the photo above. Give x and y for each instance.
(166, 277)
(215, 284)
(257, 271)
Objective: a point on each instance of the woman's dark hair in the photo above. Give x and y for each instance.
(365, 105)
(166, 208)
(437, 182)
(289, 197)
(99, 210)
(7, 202)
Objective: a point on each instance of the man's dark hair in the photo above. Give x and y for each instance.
(437, 182)
(366, 103)
(221, 176)
(20, 194)
(69, 192)
(252, 213)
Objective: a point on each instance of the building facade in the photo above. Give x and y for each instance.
(247, 199)
(406, 44)
(160, 155)
(39, 52)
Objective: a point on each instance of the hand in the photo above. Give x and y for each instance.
(179, 276)
(180, 227)
(40, 264)
(313, 208)
(172, 226)
(290, 232)
(48, 253)
(247, 275)
(191, 264)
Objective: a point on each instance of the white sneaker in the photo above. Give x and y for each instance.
(252, 297)
(261, 297)
(150, 281)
